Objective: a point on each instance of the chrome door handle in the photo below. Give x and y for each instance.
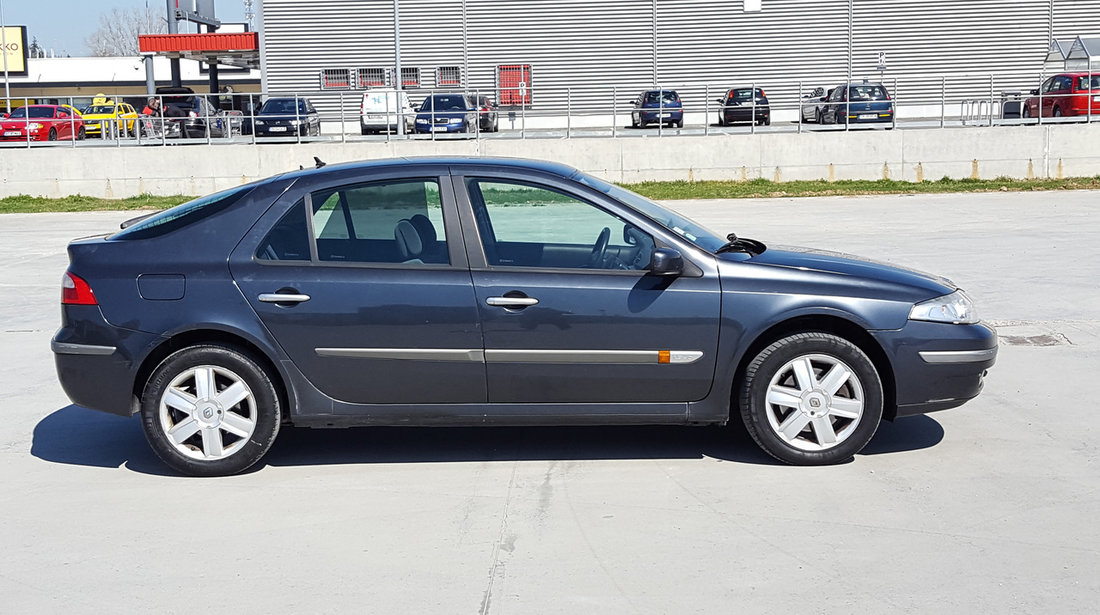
(282, 298)
(511, 302)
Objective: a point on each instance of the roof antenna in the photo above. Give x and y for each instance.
(320, 163)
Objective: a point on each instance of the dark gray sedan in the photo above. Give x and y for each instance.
(475, 291)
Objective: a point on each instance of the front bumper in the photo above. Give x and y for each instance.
(424, 129)
(270, 131)
(937, 366)
(96, 361)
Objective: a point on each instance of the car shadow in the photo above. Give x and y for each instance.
(77, 436)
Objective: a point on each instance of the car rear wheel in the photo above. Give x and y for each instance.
(811, 399)
(210, 411)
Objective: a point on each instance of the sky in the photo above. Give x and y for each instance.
(66, 23)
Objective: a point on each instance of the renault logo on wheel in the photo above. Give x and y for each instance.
(815, 402)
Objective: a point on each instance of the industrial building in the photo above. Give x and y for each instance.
(546, 57)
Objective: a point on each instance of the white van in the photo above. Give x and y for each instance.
(380, 110)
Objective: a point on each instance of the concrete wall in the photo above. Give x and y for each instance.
(914, 155)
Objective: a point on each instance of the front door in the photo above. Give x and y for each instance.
(365, 286)
(568, 310)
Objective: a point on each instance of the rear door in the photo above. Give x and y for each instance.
(569, 312)
(364, 284)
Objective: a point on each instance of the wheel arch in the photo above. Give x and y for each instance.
(822, 323)
(219, 337)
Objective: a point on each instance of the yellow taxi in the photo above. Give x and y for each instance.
(106, 118)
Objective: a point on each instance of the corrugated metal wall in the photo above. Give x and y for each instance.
(580, 49)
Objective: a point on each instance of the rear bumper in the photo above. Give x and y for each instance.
(654, 115)
(938, 366)
(745, 114)
(97, 362)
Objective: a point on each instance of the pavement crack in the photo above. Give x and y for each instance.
(496, 564)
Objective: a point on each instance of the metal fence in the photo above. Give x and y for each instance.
(578, 112)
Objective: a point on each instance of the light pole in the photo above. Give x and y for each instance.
(400, 80)
(4, 43)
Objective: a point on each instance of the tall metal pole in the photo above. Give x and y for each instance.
(4, 42)
(173, 28)
(851, 29)
(655, 44)
(397, 60)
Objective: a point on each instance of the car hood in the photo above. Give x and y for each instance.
(445, 114)
(281, 118)
(861, 276)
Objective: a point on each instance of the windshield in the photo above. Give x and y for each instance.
(283, 105)
(455, 102)
(661, 97)
(681, 225)
(36, 112)
(868, 92)
(744, 94)
(101, 109)
(182, 215)
(1084, 84)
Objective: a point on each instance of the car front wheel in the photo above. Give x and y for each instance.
(811, 399)
(210, 411)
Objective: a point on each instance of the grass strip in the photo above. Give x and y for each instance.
(672, 190)
(765, 188)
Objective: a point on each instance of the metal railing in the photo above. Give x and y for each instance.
(573, 112)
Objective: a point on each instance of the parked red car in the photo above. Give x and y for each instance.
(45, 123)
(1066, 94)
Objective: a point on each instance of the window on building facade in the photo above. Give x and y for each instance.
(335, 79)
(410, 77)
(448, 75)
(514, 84)
(372, 77)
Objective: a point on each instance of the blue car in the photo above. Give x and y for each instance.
(481, 291)
(657, 107)
(446, 113)
(856, 103)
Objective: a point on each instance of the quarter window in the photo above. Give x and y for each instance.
(397, 221)
(524, 225)
(288, 240)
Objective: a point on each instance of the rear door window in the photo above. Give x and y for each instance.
(394, 222)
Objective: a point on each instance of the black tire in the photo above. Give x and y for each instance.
(819, 117)
(767, 120)
(721, 120)
(80, 134)
(261, 408)
(1057, 112)
(764, 419)
(52, 136)
(680, 124)
(1026, 113)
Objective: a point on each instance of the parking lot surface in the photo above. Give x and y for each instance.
(988, 507)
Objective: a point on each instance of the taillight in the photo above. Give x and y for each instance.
(762, 94)
(75, 291)
(192, 114)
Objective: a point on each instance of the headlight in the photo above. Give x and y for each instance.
(454, 120)
(955, 308)
(259, 122)
(295, 122)
(421, 121)
(34, 126)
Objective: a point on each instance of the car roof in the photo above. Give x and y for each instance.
(552, 168)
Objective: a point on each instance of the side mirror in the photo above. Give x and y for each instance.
(666, 261)
(1035, 92)
(719, 101)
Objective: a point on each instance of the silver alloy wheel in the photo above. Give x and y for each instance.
(814, 402)
(208, 413)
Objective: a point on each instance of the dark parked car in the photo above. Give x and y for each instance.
(739, 105)
(287, 116)
(1066, 94)
(488, 115)
(657, 107)
(474, 291)
(857, 103)
(446, 113)
(191, 116)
